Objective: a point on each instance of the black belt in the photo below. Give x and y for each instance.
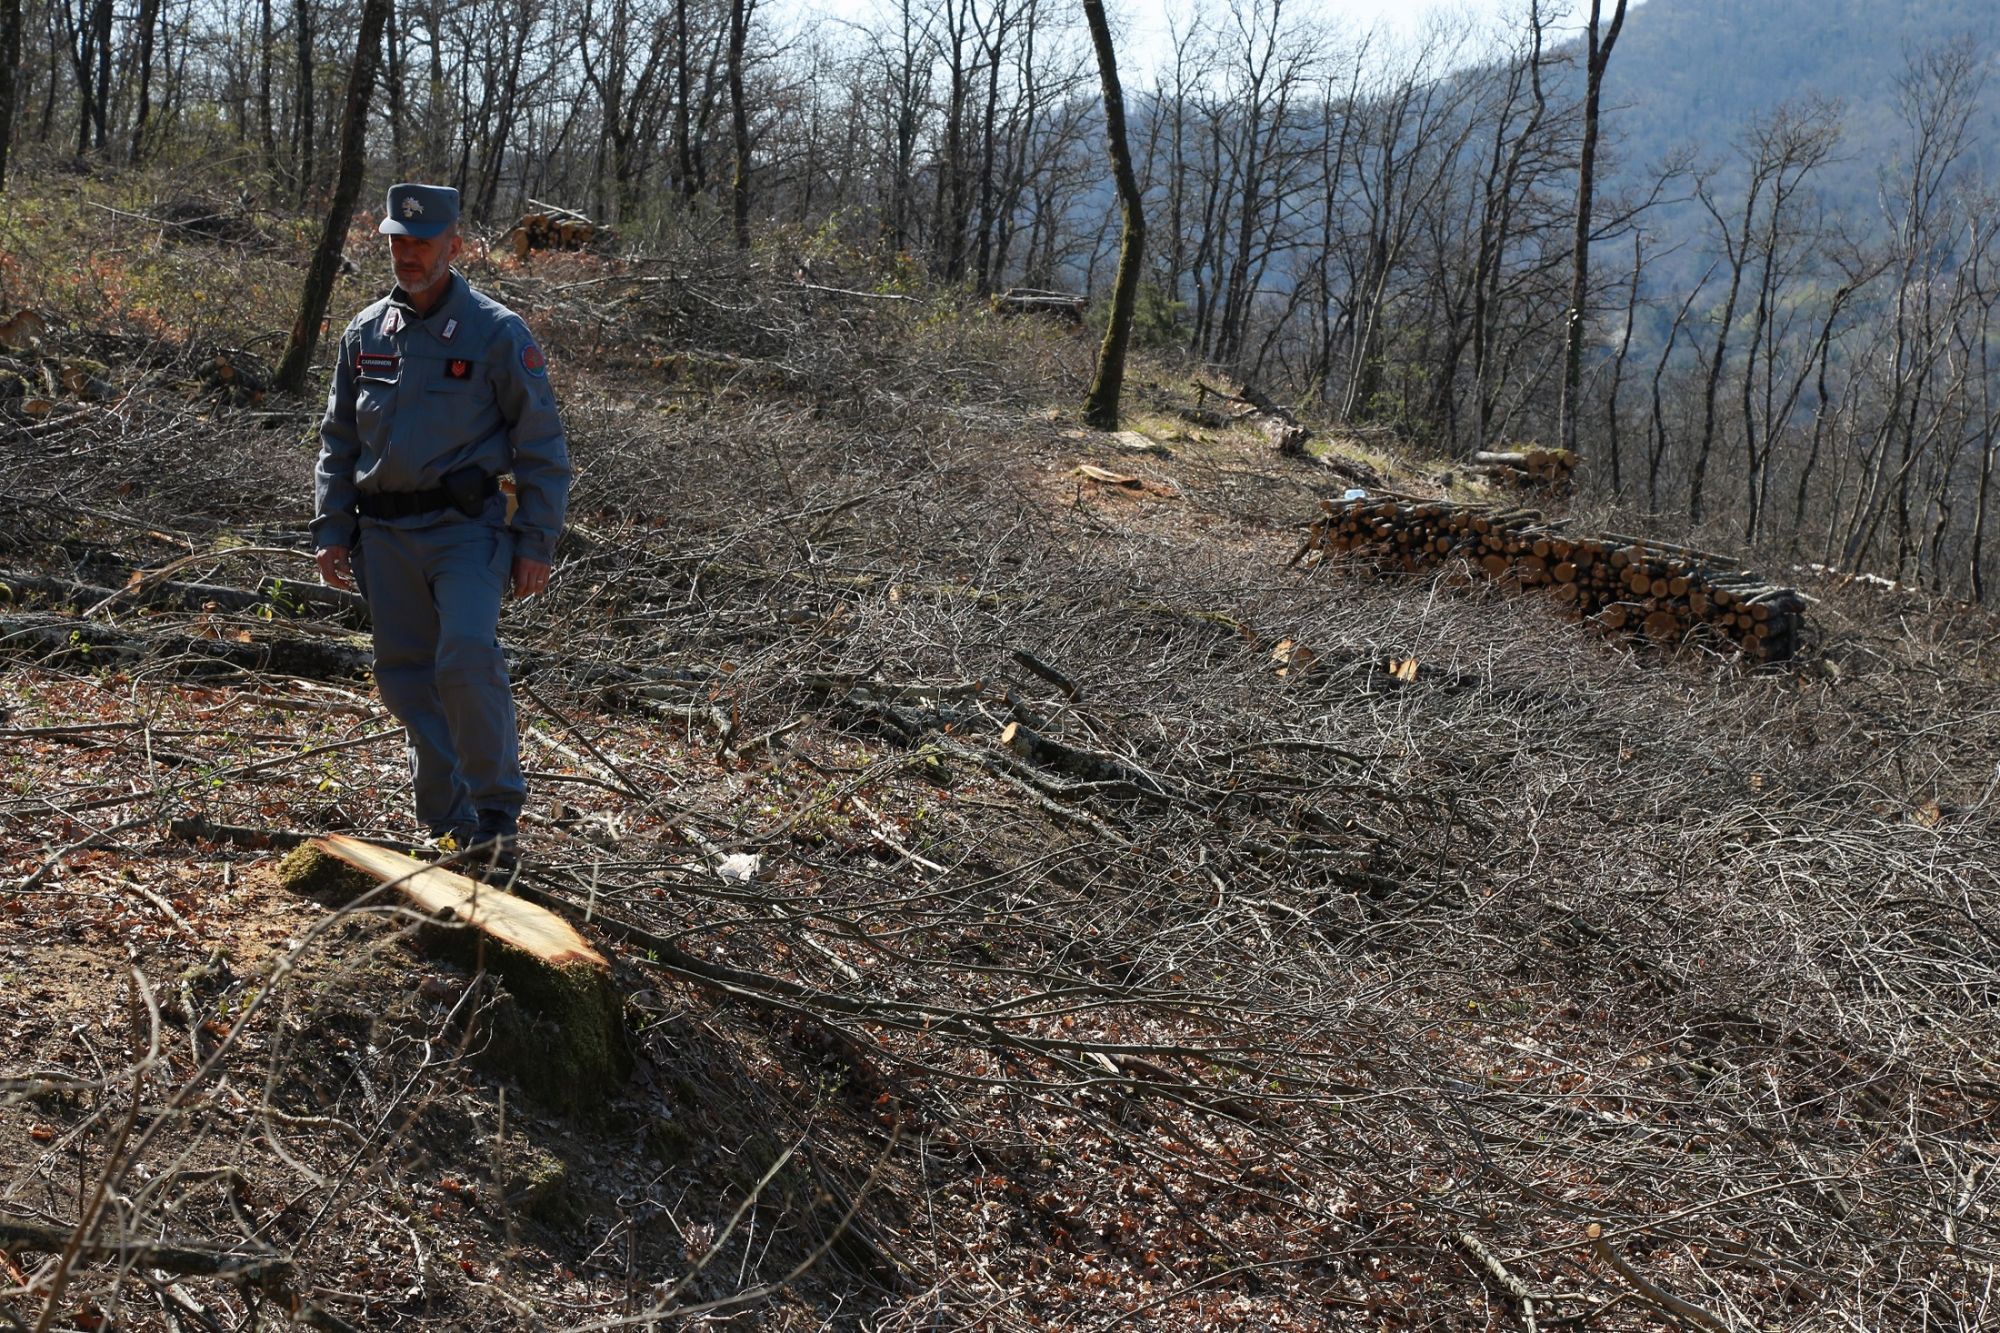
(408, 504)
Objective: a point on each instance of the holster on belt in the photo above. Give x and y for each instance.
(470, 487)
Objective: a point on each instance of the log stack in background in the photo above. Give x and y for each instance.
(1626, 584)
(1551, 468)
(553, 231)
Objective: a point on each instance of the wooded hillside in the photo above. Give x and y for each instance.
(1784, 330)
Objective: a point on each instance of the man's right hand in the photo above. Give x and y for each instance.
(336, 566)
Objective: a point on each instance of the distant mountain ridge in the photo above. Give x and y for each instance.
(1698, 74)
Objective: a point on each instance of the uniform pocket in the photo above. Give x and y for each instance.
(374, 405)
(503, 555)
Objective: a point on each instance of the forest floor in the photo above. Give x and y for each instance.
(1037, 905)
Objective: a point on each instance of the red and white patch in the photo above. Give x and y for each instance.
(392, 322)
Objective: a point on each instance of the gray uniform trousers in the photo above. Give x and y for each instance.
(434, 595)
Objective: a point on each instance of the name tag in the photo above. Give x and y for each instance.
(377, 363)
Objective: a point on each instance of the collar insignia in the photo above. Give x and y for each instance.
(450, 328)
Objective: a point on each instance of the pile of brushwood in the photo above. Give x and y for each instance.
(1010, 936)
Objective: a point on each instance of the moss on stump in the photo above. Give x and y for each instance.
(311, 873)
(557, 1029)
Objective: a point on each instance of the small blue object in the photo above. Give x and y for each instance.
(420, 210)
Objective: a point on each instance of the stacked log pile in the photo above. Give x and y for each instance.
(1552, 468)
(553, 229)
(1065, 306)
(1631, 585)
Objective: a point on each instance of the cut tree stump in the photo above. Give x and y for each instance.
(559, 1031)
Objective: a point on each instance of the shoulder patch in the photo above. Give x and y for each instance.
(532, 360)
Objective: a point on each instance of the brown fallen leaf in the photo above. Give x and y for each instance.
(1291, 656)
(24, 329)
(1403, 668)
(80, 382)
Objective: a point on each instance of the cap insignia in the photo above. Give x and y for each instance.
(412, 206)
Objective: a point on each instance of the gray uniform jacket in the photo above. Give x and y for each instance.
(415, 397)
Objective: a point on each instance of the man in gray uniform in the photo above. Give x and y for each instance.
(437, 391)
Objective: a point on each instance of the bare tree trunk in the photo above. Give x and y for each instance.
(1599, 41)
(88, 34)
(949, 209)
(1101, 410)
(392, 73)
(1656, 447)
(1496, 228)
(683, 103)
(10, 60)
(149, 19)
(739, 122)
(302, 137)
(266, 40)
(100, 121)
(493, 162)
(1611, 423)
(437, 140)
(291, 376)
(993, 45)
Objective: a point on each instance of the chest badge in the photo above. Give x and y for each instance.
(458, 370)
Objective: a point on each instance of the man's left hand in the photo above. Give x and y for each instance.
(531, 577)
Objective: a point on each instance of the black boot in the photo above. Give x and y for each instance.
(493, 854)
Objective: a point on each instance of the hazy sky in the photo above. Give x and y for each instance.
(1144, 24)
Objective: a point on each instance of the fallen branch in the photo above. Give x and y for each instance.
(1089, 765)
(269, 1272)
(187, 1258)
(1650, 1291)
(1503, 1277)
